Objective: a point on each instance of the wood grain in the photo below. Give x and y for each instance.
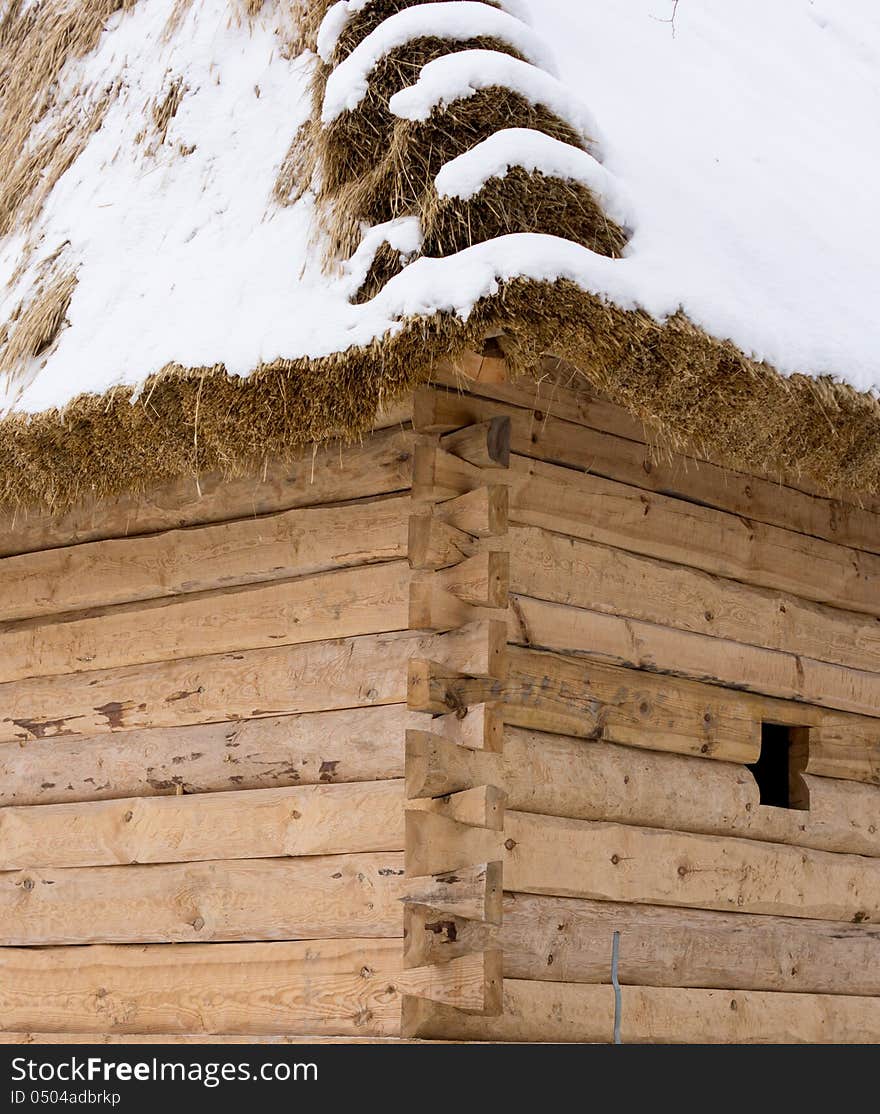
(259, 823)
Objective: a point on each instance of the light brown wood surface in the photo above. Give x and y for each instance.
(317, 988)
(355, 744)
(345, 603)
(543, 437)
(258, 823)
(594, 509)
(318, 898)
(381, 464)
(293, 543)
(640, 645)
(341, 673)
(555, 775)
(570, 940)
(617, 862)
(576, 1013)
(567, 571)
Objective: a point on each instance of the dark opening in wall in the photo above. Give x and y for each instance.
(778, 772)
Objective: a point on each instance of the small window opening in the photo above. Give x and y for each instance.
(785, 752)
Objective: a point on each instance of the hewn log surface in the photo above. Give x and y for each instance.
(283, 680)
(331, 473)
(355, 744)
(568, 1012)
(570, 940)
(345, 603)
(555, 775)
(317, 898)
(259, 823)
(617, 862)
(596, 577)
(629, 518)
(543, 437)
(245, 551)
(641, 645)
(318, 988)
(337, 988)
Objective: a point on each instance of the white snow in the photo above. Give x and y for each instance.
(531, 150)
(404, 235)
(743, 139)
(456, 20)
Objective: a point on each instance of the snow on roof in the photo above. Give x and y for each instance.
(737, 146)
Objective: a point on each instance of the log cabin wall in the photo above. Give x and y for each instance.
(202, 721)
(667, 622)
(389, 743)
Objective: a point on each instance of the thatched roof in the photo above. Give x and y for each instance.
(231, 227)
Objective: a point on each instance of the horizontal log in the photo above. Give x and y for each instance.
(379, 465)
(616, 862)
(246, 551)
(594, 509)
(317, 898)
(316, 988)
(553, 440)
(836, 750)
(566, 395)
(358, 744)
(640, 645)
(566, 571)
(325, 676)
(260, 823)
(570, 940)
(554, 775)
(341, 604)
(561, 390)
(439, 845)
(585, 698)
(473, 892)
(563, 1013)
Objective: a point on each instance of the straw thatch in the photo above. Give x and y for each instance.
(367, 168)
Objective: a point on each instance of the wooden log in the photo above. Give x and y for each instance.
(615, 862)
(486, 445)
(483, 512)
(474, 892)
(317, 898)
(339, 604)
(560, 390)
(570, 940)
(617, 458)
(434, 544)
(588, 699)
(293, 543)
(259, 823)
(481, 806)
(480, 728)
(436, 845)
(550, 391)
(639, 645)
(554, 775)
(562, 1013)
(647, 522)
(327, 988)
(379, 465)
(358, 744)
(432, 936)
(837, 750)
(343, 673)
(470, 983)
(562, 570)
